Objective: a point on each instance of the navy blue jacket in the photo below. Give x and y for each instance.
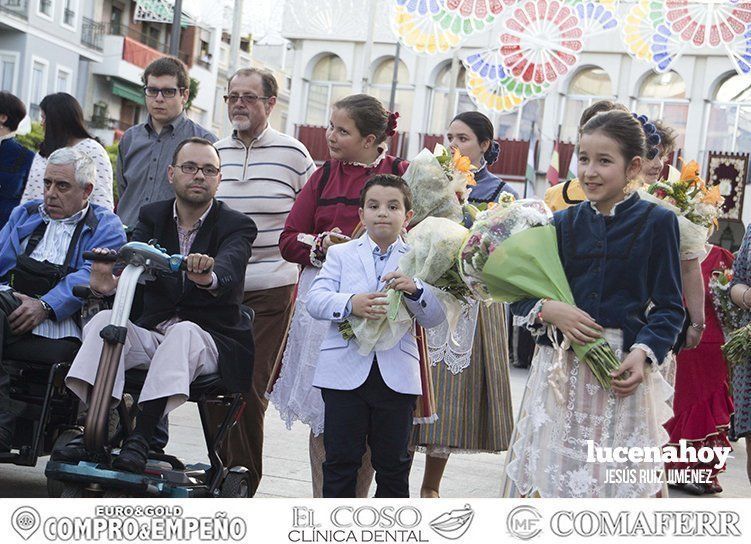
(15, 163)
(489, 187)
(619, 266)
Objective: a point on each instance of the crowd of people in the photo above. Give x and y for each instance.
(305, 247)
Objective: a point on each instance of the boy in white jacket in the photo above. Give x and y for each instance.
(370, 397)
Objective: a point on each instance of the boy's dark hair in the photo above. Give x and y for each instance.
(599, 107)
(168, 66)
(622, 127)
(270, 85)
(388, 180)
(12, 106)
(193, 140)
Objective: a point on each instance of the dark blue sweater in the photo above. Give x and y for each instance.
(616, 265)
(15, 163)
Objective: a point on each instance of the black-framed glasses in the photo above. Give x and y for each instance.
(192, 169)
(247, 99)
(169, 92)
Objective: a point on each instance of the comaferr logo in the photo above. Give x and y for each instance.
(454, 524)
(524, 522)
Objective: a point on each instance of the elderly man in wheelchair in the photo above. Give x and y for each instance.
(192, 323)
(41, 260)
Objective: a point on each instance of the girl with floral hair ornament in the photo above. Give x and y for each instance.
(326, 213)
(471, 375)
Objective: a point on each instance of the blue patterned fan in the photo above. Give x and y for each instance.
(739, 52)
(666, 48)
(421, 7)
(596, 18)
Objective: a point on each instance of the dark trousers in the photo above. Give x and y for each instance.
(244, 443)
(26, 347)
(374, 414)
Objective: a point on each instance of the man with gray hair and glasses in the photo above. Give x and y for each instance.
(41, 260)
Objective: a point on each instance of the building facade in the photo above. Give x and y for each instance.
(47, 46)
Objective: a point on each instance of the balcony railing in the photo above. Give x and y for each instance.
(69, 17)
(91, 33)
(143, 38)
(19, 8)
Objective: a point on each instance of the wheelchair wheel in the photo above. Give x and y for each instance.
(55, 487)
(71, 491)
(235, 485)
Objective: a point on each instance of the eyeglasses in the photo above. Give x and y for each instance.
(192, 169)
(247, 99)
(169, 92)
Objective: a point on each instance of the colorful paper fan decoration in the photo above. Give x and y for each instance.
(708, 22)
(595, 17)
(639, 27)
(479, 9)
(421, 7)
(422, 33)
(488, 65)
(740, 53)
(666, 48)
(491, 95)
(471, 16)
(541, 41)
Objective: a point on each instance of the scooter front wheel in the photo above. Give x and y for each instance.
(235, 485)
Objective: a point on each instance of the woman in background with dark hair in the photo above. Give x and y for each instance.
(62, 120)
(471, 376)
(15, 159)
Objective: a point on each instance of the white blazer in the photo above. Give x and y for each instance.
(349, 270)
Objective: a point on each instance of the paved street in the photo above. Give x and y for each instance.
(287, 472)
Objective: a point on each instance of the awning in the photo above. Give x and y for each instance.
(128, 91)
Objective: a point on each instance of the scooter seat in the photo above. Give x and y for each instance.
(206, 385)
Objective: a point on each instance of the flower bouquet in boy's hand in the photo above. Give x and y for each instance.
(432, 258)
(512, 254)
(697, 206)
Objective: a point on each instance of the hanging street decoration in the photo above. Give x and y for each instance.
(541, 41)
(422, 33)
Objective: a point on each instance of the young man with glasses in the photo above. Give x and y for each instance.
(146, 149)
(263, 171)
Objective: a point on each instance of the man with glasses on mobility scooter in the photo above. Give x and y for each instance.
(192, 323)
(41, 260)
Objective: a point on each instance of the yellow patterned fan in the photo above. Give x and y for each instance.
(492, 95)
(422, 33)
(638, 30)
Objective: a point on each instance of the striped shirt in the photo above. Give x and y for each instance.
(263, 181)
(53, 247)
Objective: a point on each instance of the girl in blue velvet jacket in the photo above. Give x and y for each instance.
(621, 258)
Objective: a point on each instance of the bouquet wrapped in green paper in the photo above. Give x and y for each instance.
(511, 254)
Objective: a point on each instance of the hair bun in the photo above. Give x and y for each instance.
(491, 155)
